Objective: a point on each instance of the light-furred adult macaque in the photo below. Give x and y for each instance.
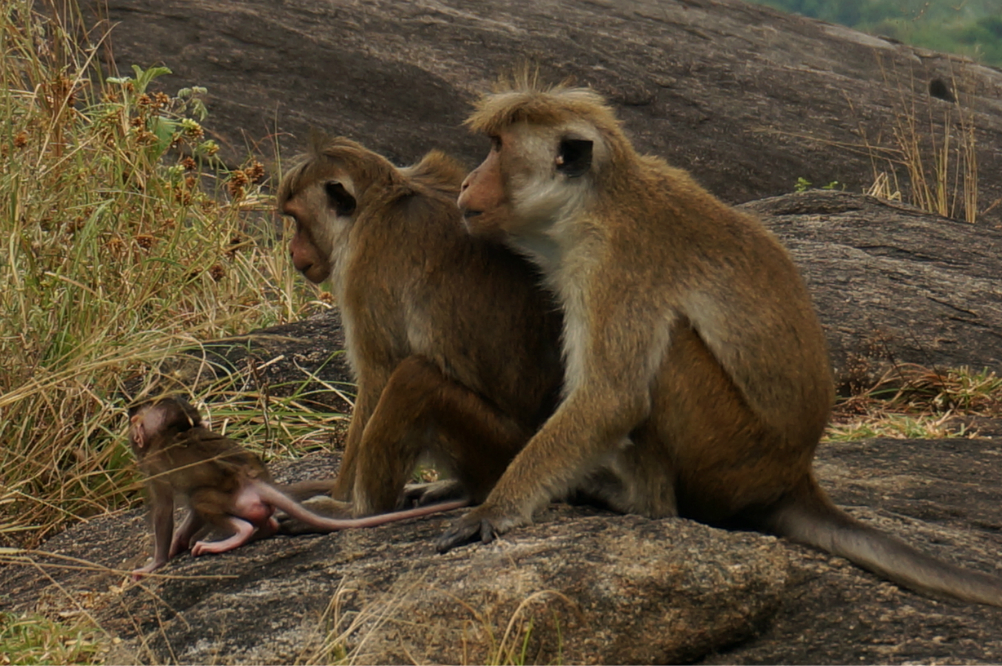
(224, 485)
(454, 345)
(697, 378)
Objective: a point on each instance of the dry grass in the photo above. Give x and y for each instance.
(912, 402)
(122, 242)
(121, 246)
(344, 634)
(934, 143)
(924, 154)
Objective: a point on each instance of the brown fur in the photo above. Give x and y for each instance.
(454, 347)
(698, 380)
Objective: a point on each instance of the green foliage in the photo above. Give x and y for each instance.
(980, 39)
(802, 185)
(969, 27)
(36, 640)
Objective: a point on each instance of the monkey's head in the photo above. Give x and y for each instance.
(324, 195)
(162, 418)
(551, 149)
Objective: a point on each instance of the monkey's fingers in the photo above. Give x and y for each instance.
(467, 530)
(423, 494)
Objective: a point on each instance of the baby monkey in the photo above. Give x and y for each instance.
(224, 485)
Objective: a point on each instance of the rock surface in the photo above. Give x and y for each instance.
(892, 284)
(579, 586)
(745, 97)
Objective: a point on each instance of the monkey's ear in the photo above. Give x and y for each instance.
(339, 198)
(138, 431)
(574, 158)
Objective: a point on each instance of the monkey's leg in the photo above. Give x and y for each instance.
(243, 531)
(193, 523)
(644, 480)
(477, 440)
(213, 506)
(162, 516)
(632, 479)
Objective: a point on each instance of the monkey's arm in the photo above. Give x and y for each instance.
(370, 386)
(570, 444)
(162, 517)
(612, 356)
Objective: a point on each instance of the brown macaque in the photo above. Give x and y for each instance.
(697, 376)
(454, 345)
(224, 486)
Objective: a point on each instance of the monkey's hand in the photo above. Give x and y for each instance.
(422, 494)
(484, 523)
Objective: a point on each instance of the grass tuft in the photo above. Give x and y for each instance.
(913, 402)
(35, 640)
(935, 144)
(120, 245)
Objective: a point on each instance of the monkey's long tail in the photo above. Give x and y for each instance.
(277, 498)
(809, 517)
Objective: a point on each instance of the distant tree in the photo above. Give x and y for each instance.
(993, 24)
(847, 12)
(970, 27)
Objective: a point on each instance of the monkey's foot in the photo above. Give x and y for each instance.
(149, 568)
(242, 532)
(482, 523)
(215, 547)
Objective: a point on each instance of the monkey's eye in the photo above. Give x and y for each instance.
(495, 142)
(339, 198)
(574, 157)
